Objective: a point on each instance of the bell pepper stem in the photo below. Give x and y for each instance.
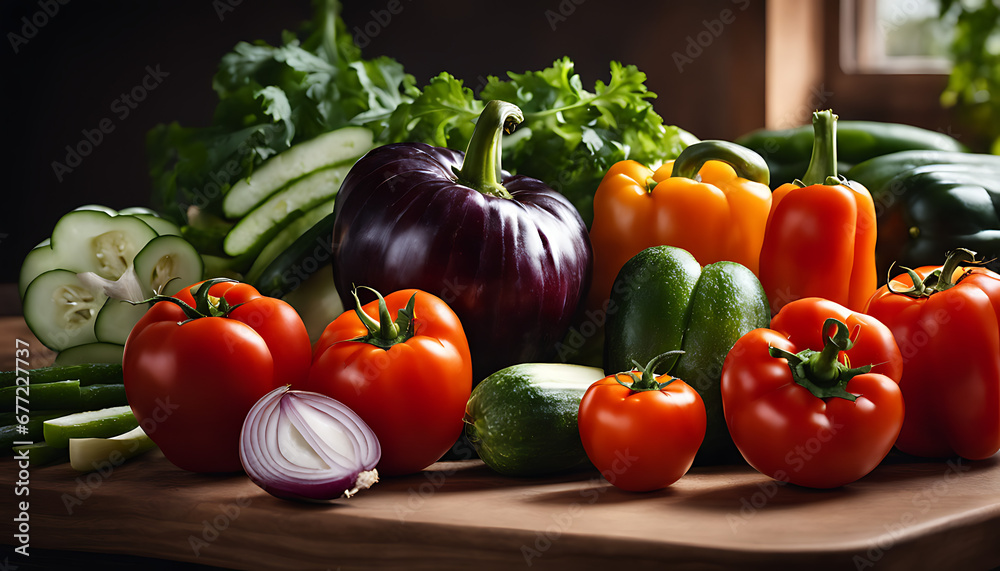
(746, 162)
(481, 167)
(823, 161)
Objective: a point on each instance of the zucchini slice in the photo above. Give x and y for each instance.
(340, 147)
(258, 227)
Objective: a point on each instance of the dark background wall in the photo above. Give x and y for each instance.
(66, 65)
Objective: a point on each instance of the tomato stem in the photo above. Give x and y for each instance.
(822, 372)
(646, 380)
(940, 279)
(206, 305)
(385, 332)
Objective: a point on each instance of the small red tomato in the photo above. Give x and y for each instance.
(643, 434)
(192, 373)
(408, 379)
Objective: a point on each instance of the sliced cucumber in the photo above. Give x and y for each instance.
(12, 431)
(60, 310)
(263, 222)
(288, 235)
(88, 454)
(116, 319)
(94, 397)
(342, 146)
(88, 241)
(162, 226)
(41, 454)
(90, 353)
(102, 423)
(167, 264)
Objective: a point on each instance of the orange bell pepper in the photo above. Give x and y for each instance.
(820, 238)
(712, 201)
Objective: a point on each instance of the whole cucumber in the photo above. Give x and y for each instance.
(665, 301)
(522, 419)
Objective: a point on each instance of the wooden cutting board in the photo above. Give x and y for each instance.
(907, 514)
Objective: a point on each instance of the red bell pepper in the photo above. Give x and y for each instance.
(946, 320)
(809, 409)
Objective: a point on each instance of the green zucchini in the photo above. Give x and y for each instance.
(875, 173)
(522, 419)
(287, 238)
(41, 454)
(60, 394)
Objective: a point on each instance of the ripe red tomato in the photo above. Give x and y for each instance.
(643, 434)
(408, 379)
(812, 405)
(191, 381)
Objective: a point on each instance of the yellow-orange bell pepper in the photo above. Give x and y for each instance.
(713, 201)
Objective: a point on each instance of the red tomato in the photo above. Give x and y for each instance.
(642, 435)
(191, 381)
(411, 388)
(807, 430)
(948, 329)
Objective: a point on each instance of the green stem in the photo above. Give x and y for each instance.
(481, 167)
(646, 380)
(385, 332)
(821, 372)
(823, 162)
(940, 279)
(205, 304)
(746, 162)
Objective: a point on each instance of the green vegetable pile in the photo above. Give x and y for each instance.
(273, 97)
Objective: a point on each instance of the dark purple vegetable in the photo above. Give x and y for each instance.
(511, 256)
(302, 445)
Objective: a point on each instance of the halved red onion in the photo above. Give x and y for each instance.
(307, 446)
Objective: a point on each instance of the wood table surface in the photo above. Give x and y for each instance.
(907, 514)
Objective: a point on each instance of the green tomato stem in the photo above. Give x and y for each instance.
(821, 372)
(385, 332)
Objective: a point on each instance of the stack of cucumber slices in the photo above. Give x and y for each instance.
(77, 318)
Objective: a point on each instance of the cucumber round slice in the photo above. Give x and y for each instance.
(60, 310)
(88, 241)
(162, 226)
(167, 264)
(98, 207)
(116, 319)
(90, 353)
(102, 423)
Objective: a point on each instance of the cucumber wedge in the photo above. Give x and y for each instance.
(51, 396)
(102, 423)
(342, 146)
(90, 353)
(288, 235)
(60, 310)
(261, 224)
(41, 454)
(86, 373)
(88, 454)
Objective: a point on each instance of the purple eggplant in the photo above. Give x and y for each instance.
(511, 256)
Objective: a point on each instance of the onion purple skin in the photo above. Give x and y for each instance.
(515, 271)
(262, 463)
